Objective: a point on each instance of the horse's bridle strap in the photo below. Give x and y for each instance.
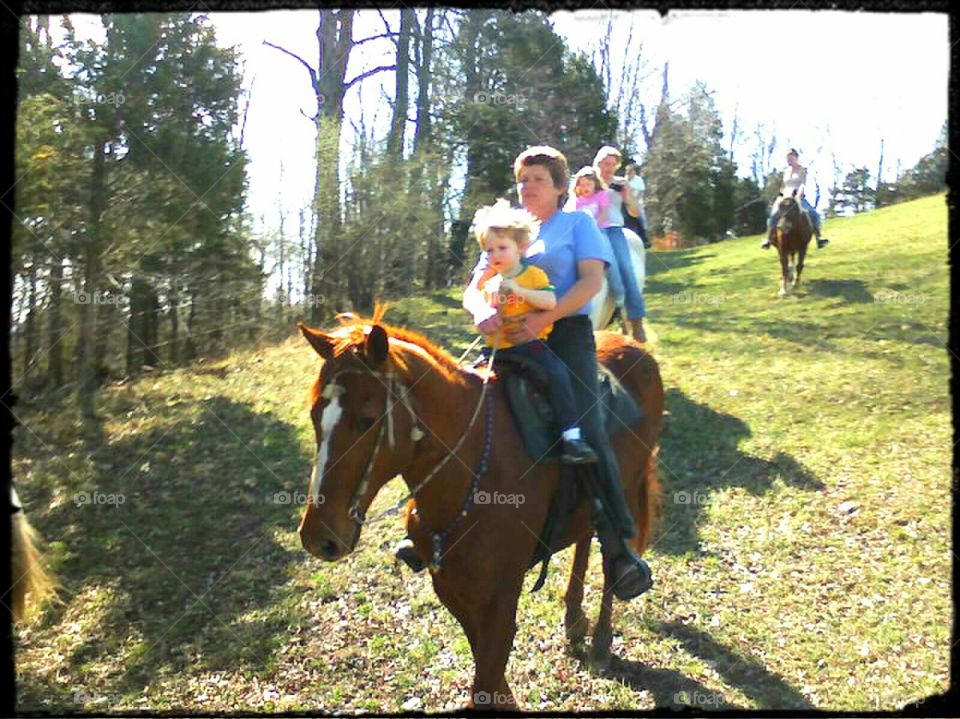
(355, 511)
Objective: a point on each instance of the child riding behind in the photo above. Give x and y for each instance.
(515, 288)
(594, 200)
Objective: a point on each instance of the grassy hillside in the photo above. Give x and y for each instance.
(803, 557)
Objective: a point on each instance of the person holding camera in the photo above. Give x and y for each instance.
(606, 162)
(635, 218)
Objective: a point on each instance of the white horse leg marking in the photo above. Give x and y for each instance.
(328, 422)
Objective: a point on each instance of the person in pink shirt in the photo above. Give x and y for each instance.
(595, 201)
(590, 197)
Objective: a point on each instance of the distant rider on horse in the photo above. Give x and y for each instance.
(794, 181)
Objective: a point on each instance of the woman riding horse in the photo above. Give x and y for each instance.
(793, 185)
(572, 252)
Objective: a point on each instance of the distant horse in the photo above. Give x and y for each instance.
(31, 584)
(601, 311)
(791, 236)
(387, 402)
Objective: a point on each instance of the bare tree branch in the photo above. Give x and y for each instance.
(386, 25)
(246, 110)
(313, 73)
(364, 75)
(377, 37)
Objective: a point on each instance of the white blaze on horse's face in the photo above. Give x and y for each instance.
(328, 422)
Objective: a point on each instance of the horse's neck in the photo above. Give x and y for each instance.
(446, 401)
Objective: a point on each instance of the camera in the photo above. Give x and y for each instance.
(616, 185)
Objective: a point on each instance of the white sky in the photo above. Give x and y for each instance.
(827, 80)
(846, 81)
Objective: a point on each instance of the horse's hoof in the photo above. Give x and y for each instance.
(577, 631)
(600, 651)
(782, 293)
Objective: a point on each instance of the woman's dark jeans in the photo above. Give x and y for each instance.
(572, 341)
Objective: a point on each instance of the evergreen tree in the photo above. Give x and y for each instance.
(690, 179)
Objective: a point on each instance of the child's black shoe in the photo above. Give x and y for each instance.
(576, 451)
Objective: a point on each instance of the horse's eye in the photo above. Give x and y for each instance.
(365, 423)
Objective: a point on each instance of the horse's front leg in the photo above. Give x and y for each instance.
(489, 621)
(498, 625)
(800, 258)
(784, 269)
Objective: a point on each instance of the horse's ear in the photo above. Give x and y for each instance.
(378, 345)
(320, 342)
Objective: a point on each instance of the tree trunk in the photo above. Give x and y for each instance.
(283, 259)
(86, 369)
(190, 345)
(879, 172)
(135, 333)
(335, 40)
(106, 320)
(401, 96)
(30, 324)
(422, 138)
(424, 177)
(469, 35)
(54, 346)
(173, 298)
(152, 327)
(305, 253)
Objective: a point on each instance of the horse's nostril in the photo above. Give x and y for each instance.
(328, 549)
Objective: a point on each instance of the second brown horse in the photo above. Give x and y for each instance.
(791, 236)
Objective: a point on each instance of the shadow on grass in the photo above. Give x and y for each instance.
(699, 455)
(444, 299)
(657, 262)
(185, 574)
(667, 289)
(672, 689)
(850, 290)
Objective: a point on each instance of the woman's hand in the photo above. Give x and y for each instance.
(490, 325)
(527, 329)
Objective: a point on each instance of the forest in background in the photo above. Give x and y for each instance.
(133, 248)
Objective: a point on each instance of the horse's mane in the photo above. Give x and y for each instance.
(353, 331)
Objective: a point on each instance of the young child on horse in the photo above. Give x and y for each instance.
(794, 182)
(515, 288)
(594, 200)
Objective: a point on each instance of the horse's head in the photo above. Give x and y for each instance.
(366, 433)
(789, 214)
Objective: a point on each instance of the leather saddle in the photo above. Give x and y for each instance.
(526, 387)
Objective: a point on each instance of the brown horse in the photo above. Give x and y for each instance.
(387, 403)
(791, 236)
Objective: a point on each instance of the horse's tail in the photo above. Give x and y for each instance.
(648, 502)
(29, 577)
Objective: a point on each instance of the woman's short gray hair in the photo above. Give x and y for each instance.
(606, 151)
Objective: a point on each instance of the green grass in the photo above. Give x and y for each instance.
(193, 594)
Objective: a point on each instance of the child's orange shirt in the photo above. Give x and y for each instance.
(511, 307)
